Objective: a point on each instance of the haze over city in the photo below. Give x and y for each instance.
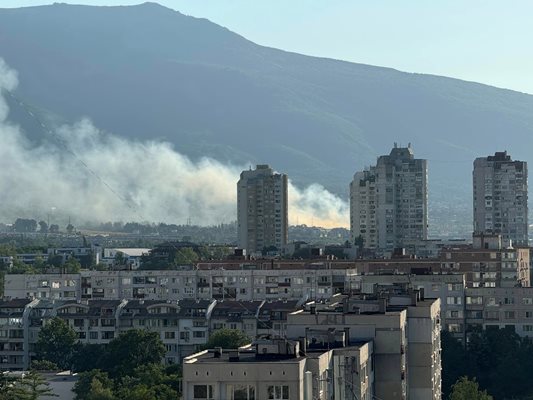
(280, 200)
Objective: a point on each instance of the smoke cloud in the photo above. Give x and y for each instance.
(90, 175)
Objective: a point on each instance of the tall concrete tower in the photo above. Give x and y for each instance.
(262, 209)
(500, 197)
(389, 202)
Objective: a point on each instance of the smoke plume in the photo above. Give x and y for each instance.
(90, 175)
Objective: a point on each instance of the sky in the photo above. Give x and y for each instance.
(486, 41)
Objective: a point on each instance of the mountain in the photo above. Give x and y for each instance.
(148, 72)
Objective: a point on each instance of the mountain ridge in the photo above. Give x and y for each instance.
(148, 72)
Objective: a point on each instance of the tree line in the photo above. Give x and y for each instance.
(498, 360)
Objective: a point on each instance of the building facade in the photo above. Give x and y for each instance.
(500, 197)
(389, 202)
(262, 210)
(280, 369)
(219, 284)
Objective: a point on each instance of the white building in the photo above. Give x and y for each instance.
(279, 369)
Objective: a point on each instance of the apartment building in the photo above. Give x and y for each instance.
(386, 329)
(510, 308)
(219, 284)
(449, 288)
(13, 334)
(486, 263)
(262, 210)
(389, 202)
(489, 263)
(241, 315)
(193, 331)
(500, 197)
(278, 369)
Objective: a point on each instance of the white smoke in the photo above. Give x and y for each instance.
(91, 175)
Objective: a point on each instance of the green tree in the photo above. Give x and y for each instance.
(88, 357)
(99, 392)
(221, 252)
(227, 339)
(72, 266)
(55, 261)
(40, 265)
(32, 387)
(144, 392)
(119, 258)
(93, 380)
(132, 349)
(56, 342)
(465, 389)
(43, 365)
(100, 267)
(185, 256)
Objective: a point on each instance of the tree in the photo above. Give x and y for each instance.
(43, 365)
(101, 267)
(131, 349)
(119, 258)
(72, 266)
(150, 381)
(54, 228)
(94, 380)
(221, 252)
(55, 260)
(22, 225)
(465, 389)
(227, 339)
(40, 265)
(32, 387)
(88, 357)
(56, 343)
(185, 256)
(43, 227)
(70, 228)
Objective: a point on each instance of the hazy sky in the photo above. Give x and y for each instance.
(486, 41)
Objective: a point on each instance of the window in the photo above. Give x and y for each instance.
(454, 300)
(278, 392)
(198, 334)
(509, 315)
(93, 335)
(203, 392)
(527, 300)
(455, 328)
(474, 300)
(170, 335)
(528, 328)
(241, 392)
